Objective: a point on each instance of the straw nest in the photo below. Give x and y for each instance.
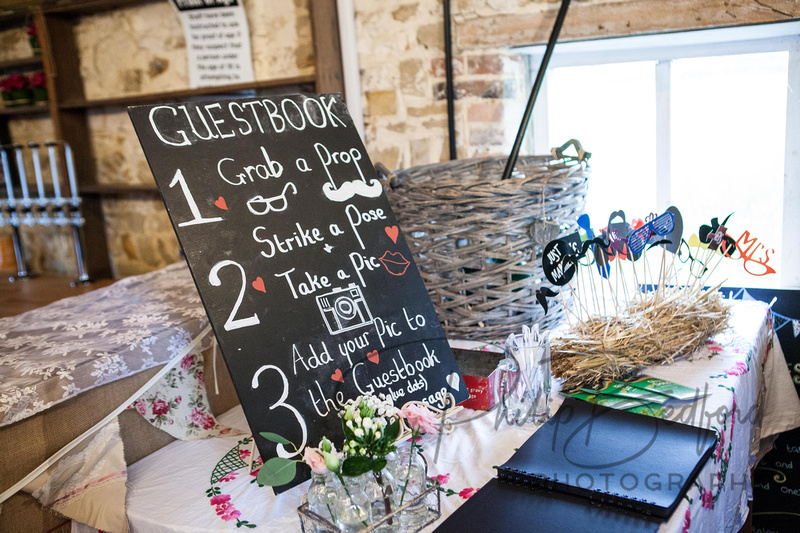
(648, 333)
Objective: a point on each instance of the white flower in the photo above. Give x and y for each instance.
(358, 432)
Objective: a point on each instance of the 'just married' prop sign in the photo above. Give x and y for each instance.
(306, 278)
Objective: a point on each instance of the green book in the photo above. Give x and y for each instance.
(617, 402)
(624, 390)
(662, 386)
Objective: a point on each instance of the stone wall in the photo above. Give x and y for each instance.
(150, 38)
(401, 54)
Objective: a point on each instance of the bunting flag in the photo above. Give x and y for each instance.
(796, 325)
(779, 321)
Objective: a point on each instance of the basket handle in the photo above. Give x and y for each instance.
(583, 155)
(386, 174)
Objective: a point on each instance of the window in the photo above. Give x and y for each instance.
(703, 120)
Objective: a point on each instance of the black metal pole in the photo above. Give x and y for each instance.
(448, 69)
(512, 159)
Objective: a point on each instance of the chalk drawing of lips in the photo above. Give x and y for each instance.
(394, 263)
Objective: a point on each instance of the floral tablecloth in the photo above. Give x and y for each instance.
(53, 353)
(205, 486)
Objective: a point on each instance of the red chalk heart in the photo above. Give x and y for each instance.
(373, 356)
(392, 232)
(337, 376)
(258, 285)
(221, 203)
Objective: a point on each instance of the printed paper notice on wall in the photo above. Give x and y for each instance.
(303, 270)
(217, 41)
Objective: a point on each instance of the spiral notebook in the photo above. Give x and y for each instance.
(589, 457)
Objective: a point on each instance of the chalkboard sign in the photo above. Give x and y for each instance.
(307, 279)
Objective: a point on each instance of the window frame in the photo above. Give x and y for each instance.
(663, 48)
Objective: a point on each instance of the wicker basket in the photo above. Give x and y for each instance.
(470, 233)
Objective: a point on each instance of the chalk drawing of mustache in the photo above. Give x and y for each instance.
(347, 189)
(258, 205)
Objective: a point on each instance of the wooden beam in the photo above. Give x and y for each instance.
(613, 19)
(327, 49)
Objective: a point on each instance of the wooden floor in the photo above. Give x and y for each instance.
(22, 295)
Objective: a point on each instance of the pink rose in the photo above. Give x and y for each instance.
(231, 515)
(313, 457)
(203, 420)
(687, 521)
(201, 378)
(230, 476)
(737, 370)
(467, 493)
(708, 499)
(160, 407)
(187, 362)
(244, 454)
(178, 400)
(419, 418)
(442, 478)
(219, 499)
(141, 407)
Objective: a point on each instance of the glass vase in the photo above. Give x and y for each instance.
(352, 505)
(322, 498)
(410, 472)
(381, 488)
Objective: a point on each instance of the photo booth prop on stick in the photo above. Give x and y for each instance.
(623, 317)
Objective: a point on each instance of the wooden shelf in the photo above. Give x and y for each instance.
(25, 63)
(87, 7)
(24, 110)
(20, 10)
(117, 190)
(301, 82)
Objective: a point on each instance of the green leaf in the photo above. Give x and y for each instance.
(274, 437)
(378, 464)
(392, 431)
(277, 471)
(356, 465)
(348, 433)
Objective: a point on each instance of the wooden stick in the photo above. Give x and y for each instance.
(594, 289)
(574, 297)
(603, 292)
(567, 309)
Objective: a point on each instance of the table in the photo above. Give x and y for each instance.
(751, 398)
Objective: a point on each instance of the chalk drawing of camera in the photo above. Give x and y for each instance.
(344, 309)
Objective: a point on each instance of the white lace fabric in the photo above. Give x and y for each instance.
(53, 353)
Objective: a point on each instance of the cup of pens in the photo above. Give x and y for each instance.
(524, 377)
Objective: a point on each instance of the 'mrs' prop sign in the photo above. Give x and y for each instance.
(308, 282)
